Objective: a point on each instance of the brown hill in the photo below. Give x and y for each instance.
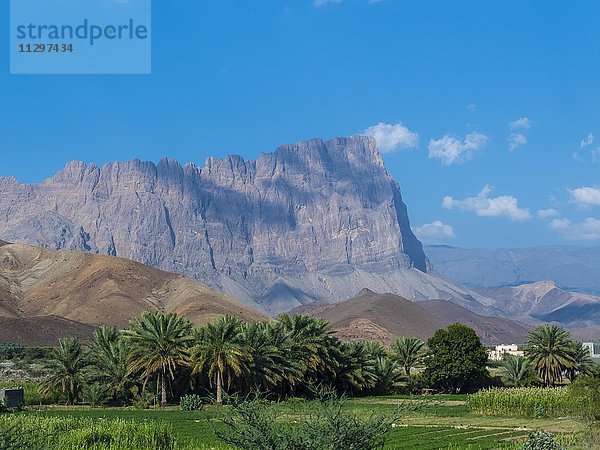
(94, 289)
(381, 317)
(41, 331)
(491, 330)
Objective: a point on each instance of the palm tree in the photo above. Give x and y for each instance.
(65, 366)
(269, 363)
(313, 344)
(109, 359)
(219, 350)
(158, 344)
(515, 369)
(388, 375)
(584, 364)
(408, 352)
(550, 352)
(357, 370)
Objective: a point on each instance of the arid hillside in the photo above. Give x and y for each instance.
(93, 289)
(381, 317)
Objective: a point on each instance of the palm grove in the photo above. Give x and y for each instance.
(164, 354)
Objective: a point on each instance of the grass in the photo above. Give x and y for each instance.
(445, 423)
(18, 431)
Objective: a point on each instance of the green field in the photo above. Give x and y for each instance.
(447, 423)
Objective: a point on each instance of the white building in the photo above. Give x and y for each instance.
(503, 350)
(594, 348)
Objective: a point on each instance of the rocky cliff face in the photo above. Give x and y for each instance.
(311, 221)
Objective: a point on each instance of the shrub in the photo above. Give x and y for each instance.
(323, 423)
(10, 351)
(540, 440)
(585, 395)
(94, 394)
(191, 402)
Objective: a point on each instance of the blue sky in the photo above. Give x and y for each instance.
(447, 86)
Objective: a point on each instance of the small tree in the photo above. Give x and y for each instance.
(550, 351)
(219, 352)
(457, 358)
(408, 352)
(158, 346)
(65, 368)
(516, 370)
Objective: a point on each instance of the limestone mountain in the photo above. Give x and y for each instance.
(82, 288)
(314, 221)
(545, 301)
(571, 268)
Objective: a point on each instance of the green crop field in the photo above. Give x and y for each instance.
(444, 423)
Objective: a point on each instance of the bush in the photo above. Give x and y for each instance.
(528, 402)
(540, 440)
(69, 433)
(94, 394)
(10, 351)
(191, 402)
(323, 423)
(585, 394)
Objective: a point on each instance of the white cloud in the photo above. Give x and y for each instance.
(319, 3)
(482, 205)
(585, 196)
(392, 137)
(472, 107)
(451, 150)
(589, 140)
(523, 122)
(547, 213)
(516, 140)
(588, 230)
(435, 232)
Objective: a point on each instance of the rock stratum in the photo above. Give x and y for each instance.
(314, 221)
(67, 293)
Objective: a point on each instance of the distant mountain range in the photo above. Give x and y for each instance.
(381, 317)
(546, 302)
(571, 268)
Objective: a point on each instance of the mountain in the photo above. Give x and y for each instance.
(96, 289)
(547, 302)
(314, 221)
(42, 331)
(381, 317)
(491, 330)
(572, 268)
